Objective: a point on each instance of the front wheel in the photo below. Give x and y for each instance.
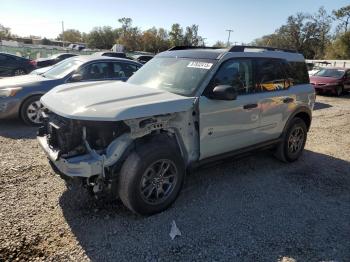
(292, 146)
(31, 110)
(151, 178)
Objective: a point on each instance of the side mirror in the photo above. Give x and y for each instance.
(224, 92)
(76, 78)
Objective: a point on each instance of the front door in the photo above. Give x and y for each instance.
(229, 125)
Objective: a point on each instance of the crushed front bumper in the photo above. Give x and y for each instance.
(79, 166)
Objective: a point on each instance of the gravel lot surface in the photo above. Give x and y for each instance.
(249, 209)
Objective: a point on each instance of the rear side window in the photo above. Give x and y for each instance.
(271, 75)
(129, 69)
(95, 71)
(297, 71)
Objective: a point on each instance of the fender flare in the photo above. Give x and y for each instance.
(302, 109)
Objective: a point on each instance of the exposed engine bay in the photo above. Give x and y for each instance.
(92, 149)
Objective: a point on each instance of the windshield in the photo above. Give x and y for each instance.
(177, 75)
(336, 73)
(63, 68)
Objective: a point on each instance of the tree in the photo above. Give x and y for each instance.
(343, 16)
(101, 37)
(130, 37)
(176, 35)
(70, 35)
(324, 23)
(5, 32)
(45, 41)
(191, 37)
(219, 44)
(303, 32)
(340, 47)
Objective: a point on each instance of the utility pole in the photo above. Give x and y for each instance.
(62, 34)
(229, 35)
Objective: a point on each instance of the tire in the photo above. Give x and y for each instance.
(19, 72)
(291, 148)
(31, 110)
(140, 176)
(339, 91)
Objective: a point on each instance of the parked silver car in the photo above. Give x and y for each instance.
(184, 108)
(20, 95)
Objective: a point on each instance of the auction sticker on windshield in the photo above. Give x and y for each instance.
(201, 65)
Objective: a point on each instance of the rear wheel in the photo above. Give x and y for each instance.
(292, 146)
(31, 111)
(151, 178)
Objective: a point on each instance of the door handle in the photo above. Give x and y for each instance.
(288, 100)
(250, 106)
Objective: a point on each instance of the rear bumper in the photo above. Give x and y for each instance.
(79, 166)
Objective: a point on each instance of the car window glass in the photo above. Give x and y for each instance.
(129, 69)
(237, 73)
(297, 73)
(2, 58)
(270, 76)
(348, 74)
(95, 71)
(118, 70)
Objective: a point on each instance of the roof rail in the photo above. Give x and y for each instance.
(241, 48)
(174, 48)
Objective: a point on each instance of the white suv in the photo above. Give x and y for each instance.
(185, 107)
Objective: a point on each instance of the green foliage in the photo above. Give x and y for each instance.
(308, 34)
(342, 15)
(340, 47)
(5, 32)
(70, 35)
(219, 44)
(102, 37)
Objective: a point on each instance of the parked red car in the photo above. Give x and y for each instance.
(334, 80)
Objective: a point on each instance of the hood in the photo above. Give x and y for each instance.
(41, 70)
(22, 80)
(112, 101)
(323, 80)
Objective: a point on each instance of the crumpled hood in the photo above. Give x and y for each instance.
(112, 101)
(21, 80)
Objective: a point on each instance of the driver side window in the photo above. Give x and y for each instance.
(237, 73)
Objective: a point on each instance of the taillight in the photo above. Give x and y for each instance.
(32, 62)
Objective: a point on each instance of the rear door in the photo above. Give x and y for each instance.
(276, 101)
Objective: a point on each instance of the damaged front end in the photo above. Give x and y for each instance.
(93, 150)
(83, 149)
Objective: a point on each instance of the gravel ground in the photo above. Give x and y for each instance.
(249, 209)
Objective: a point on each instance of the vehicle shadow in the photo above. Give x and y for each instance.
(252, 209)
(319, 106)
(16, 129)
